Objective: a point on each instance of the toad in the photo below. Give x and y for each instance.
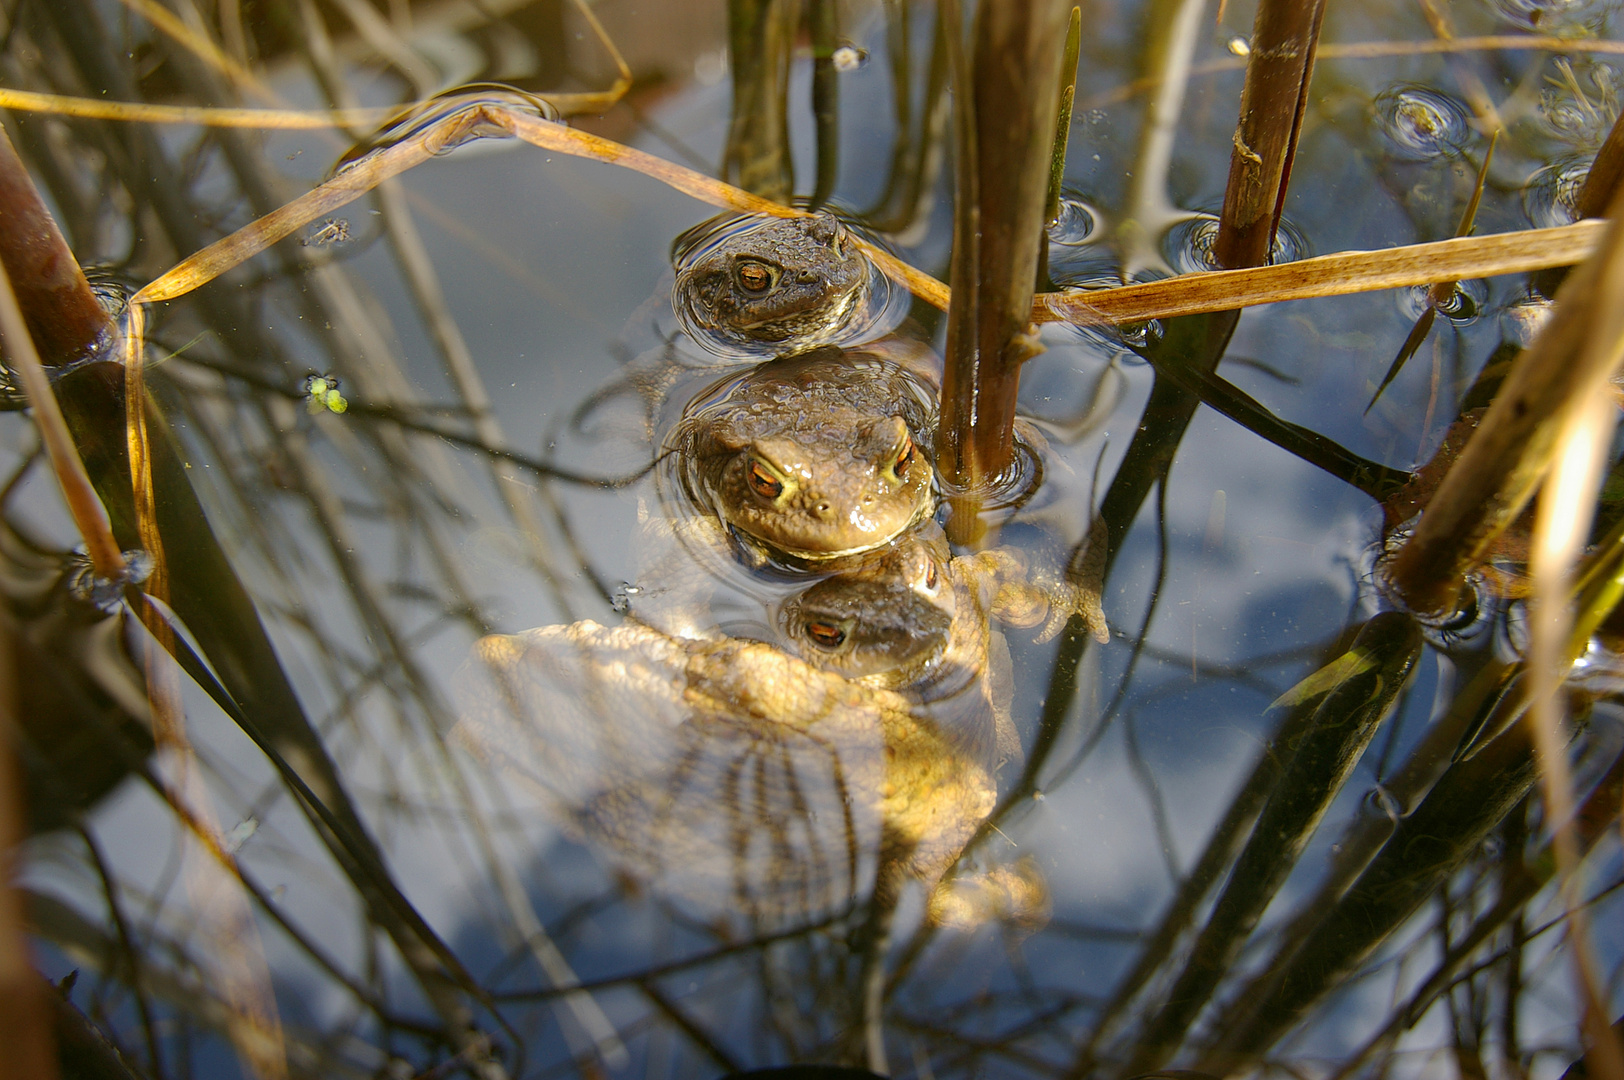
(727, 772)
(780, 284)
(817, 456)
(914, 619)
(784, 776)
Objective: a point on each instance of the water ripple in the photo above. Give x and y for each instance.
(1420, 124)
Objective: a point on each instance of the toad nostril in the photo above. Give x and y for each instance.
(823, 509)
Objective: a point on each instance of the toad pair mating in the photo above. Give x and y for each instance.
(866, 735)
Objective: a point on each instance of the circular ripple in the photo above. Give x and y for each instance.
(1106, 339)
(1001, 497)
(1552, 16)
(1076, 222)
(1474, 612)
(1551, 195)
(1188, 245)
(1420, 124)
(1463, 305)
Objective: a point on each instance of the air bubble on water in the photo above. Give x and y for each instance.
(106, 593)
(848, 57)
(1106, 340)
(1420, 124)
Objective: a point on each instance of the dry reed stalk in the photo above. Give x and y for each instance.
(1342, 274)
(1562, 525)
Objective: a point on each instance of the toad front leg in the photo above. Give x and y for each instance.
(1045, 595)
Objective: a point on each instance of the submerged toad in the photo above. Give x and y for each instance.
(726, 772)
(913, 619)
(789, 284)
(819, 455)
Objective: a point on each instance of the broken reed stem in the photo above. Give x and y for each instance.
(77, 491)
(1284, 36)
(66, 320)
(1511, 451)
(998, 230)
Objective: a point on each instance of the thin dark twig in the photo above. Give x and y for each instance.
(688, 1026)
(411, 418)
(126, 944)
(722, 952)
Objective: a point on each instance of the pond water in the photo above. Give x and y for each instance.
(727, 899)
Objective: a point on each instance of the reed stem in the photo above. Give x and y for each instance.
(1285, 34)
(1005, 131)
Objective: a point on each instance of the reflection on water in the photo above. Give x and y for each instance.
(727, 774)
(738, 763)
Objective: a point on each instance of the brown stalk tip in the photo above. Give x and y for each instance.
(66, 320)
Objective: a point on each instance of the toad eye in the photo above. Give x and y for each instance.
(762, 481)
(904, 459)
(930, 574)
(825, 635)
(754, 276)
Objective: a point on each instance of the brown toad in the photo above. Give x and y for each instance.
(783, 284)
(818, 455)
(726, 772)
(913, 619)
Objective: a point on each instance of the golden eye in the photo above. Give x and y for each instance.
(826, 635)
(755, 277)
(930, 574)
(905, 458)
(763, 482)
